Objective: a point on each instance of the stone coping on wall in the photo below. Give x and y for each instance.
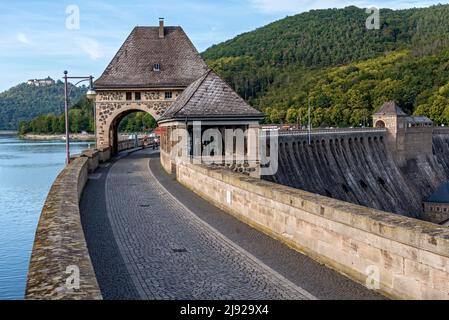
(60, 252)
(408, 257)
(419, 234)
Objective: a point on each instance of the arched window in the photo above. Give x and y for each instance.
(380, 124)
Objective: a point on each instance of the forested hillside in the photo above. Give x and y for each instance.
(326, 57)
(344, 69)
(81, 117)
(24, 102)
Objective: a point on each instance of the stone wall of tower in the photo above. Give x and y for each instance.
(111, 106)
(395, 135)
(405, 142)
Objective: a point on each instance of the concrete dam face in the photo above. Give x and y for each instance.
(358, 168)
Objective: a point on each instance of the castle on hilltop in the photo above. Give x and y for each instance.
(41, 82)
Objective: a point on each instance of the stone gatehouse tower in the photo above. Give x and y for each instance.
(150, 70)
(408, 137)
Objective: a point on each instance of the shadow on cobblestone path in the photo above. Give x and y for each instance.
(185, 248)
(112, 274)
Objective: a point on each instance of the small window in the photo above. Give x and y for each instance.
(129, 96)
(137, 96)
(168, 95)
(156, 67)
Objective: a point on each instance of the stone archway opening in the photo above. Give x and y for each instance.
(129, 122)
(113, 106)
(380, 124)
(110, 113)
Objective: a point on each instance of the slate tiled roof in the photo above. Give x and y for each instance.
(208, 97)
(419, 120)
(390, 108)
(132, 66)
(441, 195)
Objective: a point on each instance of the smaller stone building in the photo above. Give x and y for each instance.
(436, 207)
(209, 103)
(408, 137)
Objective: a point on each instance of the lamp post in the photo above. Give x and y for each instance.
(90, 94)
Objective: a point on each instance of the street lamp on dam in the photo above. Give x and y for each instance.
(90, 94)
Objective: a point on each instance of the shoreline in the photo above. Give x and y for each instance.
(73, 137)
(8, 132)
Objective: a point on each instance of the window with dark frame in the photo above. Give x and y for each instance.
(168, 95)
(137, 96)
(129, 96)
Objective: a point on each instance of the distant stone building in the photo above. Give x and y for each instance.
(436, 207)
(150, 70)
(408, 137)
(41, 82)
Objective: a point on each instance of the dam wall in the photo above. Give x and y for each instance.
(356, 166)
(402, 257)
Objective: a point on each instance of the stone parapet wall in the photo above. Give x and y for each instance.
(436, 212)
(60, 248)
(409, 258)
(441, 130)
(104, 154)
(166, 161)
(93, 159)
(59, 243)
(130, 144)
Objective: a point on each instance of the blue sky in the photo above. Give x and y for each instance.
(35, 41)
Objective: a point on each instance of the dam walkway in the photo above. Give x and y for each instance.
(151, 238)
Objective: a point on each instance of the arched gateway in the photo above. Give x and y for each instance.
(159, 71)
(153, 66)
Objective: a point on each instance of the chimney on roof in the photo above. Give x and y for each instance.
(161, 28)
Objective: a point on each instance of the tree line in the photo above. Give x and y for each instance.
(81, 116)
(24, 102)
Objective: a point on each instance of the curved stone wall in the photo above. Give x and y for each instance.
(60, 257)
(402, 257)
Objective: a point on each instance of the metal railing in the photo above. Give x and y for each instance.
(332, 131)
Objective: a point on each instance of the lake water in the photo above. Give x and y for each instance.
(27, 171)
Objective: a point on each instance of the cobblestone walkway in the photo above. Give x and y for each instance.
(146, 244)
(172, 254)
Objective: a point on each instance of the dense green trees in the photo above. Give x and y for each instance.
(80, 115)
(348, 95)
(81, 119)
(137, 122)
(347, 72)
(24, 102)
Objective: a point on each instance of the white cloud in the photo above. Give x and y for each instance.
(91, 47)
(22, 38)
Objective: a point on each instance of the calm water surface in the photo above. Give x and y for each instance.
(27, 171)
